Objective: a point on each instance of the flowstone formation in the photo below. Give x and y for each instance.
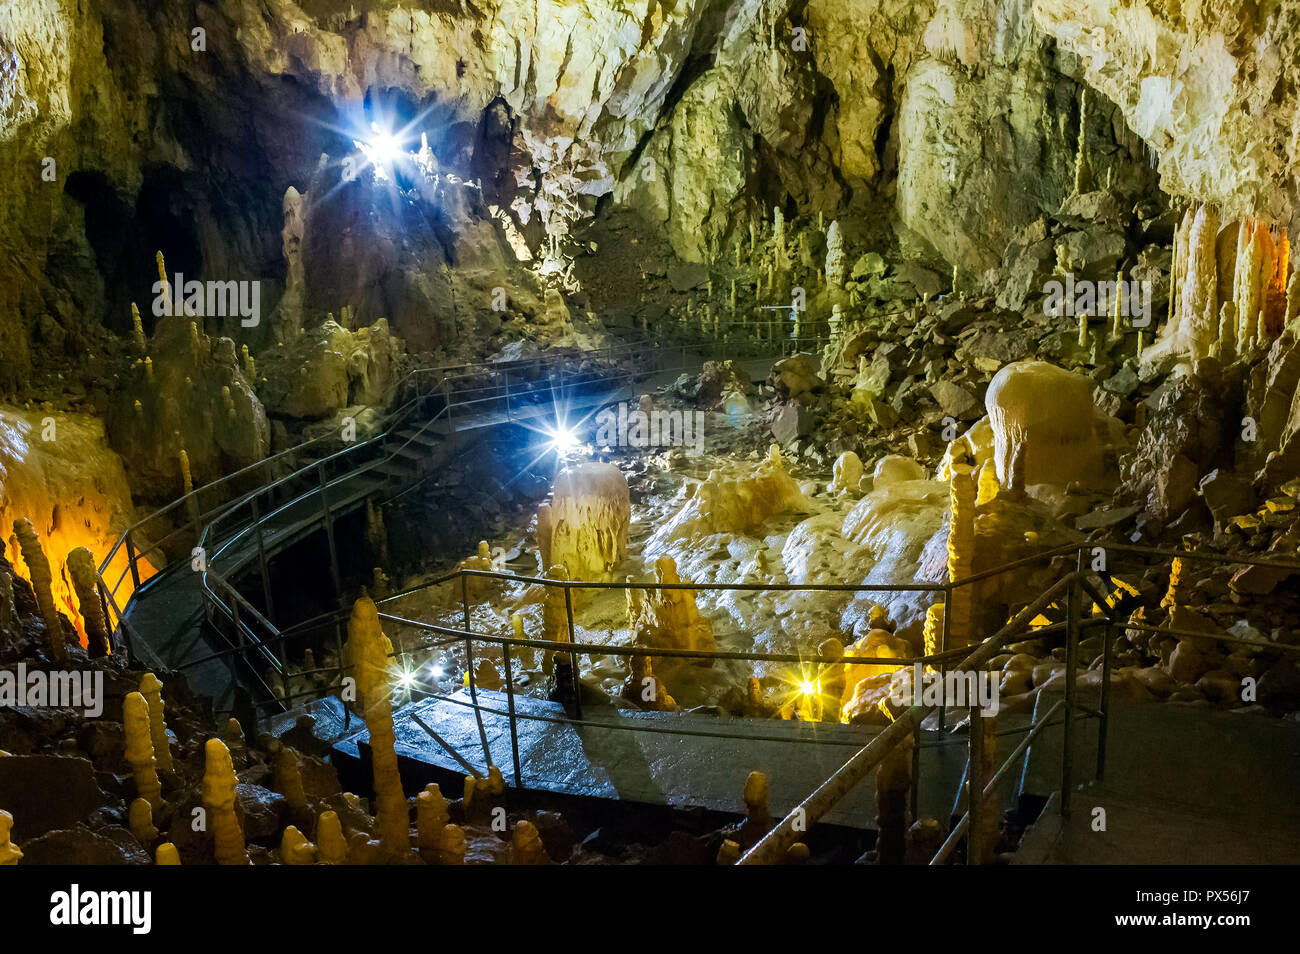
(733, 503)
(1045, 428)
(585, 526)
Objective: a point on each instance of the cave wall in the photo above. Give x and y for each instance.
(962, 116)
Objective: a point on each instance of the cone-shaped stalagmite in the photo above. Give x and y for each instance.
(167, 854)
(81, 567)
(38, 568)
(295, 849)
(219, 800)
(332, 847)
(139, 748)
(370, 653)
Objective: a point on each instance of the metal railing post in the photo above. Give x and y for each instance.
(1072, 601)
(130, 560)
(262, 565)
(1103, 722)
(573, 656)
(239, 640)
(943, 648)
(974, 785)
(335, 576)
(510, 705)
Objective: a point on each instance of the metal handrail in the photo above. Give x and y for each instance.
(772, 847)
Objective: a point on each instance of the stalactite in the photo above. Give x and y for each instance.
(81, 567)
(151, 688)
(38, 570)
(219, 783)
(1293, 300)
(139, 748)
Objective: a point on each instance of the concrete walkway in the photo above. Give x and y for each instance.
(652, 758)
(1183, 784)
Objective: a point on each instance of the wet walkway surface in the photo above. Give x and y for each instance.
(652, 758)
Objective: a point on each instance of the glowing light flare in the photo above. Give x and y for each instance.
(383, 149)
(563, 440)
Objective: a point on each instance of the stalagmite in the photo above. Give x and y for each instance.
(137, 331)
(331, 846)
(166, 854)
(526, 845)
(961, 557)
(219, 801)
(140, 821)
(139, 748)
(988, 486)
(729, 852)
(1198, 320)
(932, 635)
(288, 776)
(295, 849)
(758, 817)
(588, 520)
(1175, 595)
(846, 474)
(9, 852)
(1081, 168)
(669, 618)
(1046, 414)
(452, 845)
(370, 653)
(1254, 255)
(38, 570)
(151, 689)
(836, 263)
(81, 567)
(555, 617)
(430, 817)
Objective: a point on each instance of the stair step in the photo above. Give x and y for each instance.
(425, 436)
(395, 467)
(412, 453)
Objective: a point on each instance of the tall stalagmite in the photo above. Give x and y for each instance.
(371, 650)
